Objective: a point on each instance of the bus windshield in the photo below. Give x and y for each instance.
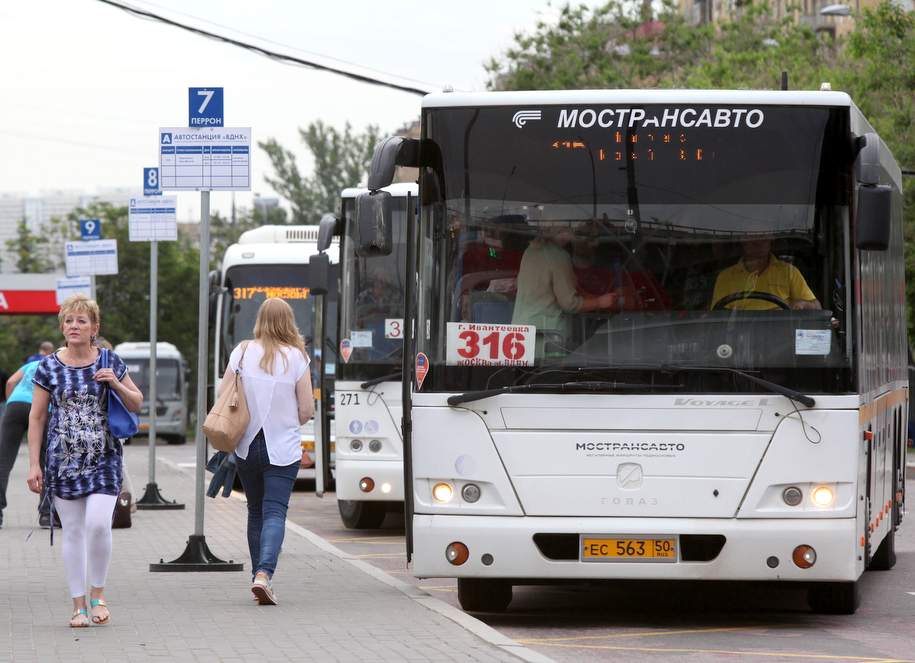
(247, 286)
(614, 243)
(372, 297)
(168, 384)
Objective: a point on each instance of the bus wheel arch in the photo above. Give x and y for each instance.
(885, 557)
(357, 514)
(484, 594)
(834, 598)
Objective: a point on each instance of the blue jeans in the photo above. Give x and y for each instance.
(267, 488)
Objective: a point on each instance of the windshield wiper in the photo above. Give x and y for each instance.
(774, 387)
(560, 387)
(380, 379)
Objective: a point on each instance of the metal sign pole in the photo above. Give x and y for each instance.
(153, 349)
(152, 499)
(202, 354)
(197, 555)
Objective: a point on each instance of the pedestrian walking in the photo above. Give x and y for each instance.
(277, 386)
(13, 427)
(83, 468)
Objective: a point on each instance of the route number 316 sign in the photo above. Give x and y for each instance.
(475, 344)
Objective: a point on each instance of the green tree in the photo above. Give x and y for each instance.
(30, 249)
(613, 46)
(340, 160)
(124, 297)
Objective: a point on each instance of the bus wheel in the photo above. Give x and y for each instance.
(834, 598)
(361, 515)
(484, 595)
(885, 557)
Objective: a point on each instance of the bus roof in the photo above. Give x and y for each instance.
(527, 98)
(277, 245)
(134, 349)
(398, 189)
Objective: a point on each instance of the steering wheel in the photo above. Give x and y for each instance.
(751, 294)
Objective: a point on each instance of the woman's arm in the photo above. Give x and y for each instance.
(126, 389)
(37, 417)
(12, 382)
(129, 393)
(305, 397)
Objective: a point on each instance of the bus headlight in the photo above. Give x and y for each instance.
(375, 446)
(822, 496)
(355, 445)
(442, 492)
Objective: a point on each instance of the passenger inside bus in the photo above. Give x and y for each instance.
(601, 268)
(547, 288)
(758, 273)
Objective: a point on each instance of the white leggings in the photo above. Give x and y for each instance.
(86, 526)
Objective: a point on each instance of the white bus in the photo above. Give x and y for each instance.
(271, 261)
(369, 458)
(171, 387)
(659, 335)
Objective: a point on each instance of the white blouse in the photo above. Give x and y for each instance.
(272, 401)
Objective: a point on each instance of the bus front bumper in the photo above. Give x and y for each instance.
(383, 473)
(746, 554)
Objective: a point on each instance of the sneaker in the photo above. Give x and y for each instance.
(263, 590)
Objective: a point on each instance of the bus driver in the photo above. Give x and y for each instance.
(760, 271)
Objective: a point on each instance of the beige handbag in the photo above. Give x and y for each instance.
(228, 418)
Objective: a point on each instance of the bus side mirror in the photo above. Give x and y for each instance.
(391, 152)
(872, 223)
(373, 234)
(318, 273)
(326, 230)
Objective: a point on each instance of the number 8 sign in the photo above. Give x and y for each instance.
(472, 344)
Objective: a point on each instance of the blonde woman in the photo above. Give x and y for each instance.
(277, 384)
(83, 468)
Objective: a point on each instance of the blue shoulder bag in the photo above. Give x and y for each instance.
(121, 421)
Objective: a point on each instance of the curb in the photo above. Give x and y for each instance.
(478, 628)
(461, 618)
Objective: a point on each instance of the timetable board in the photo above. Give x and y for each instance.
(205, 159)
(71, 286)
(153, 219)
(93, 257)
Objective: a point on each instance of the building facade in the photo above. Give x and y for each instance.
(805, 11)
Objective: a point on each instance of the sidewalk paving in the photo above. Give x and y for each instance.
(329, 609)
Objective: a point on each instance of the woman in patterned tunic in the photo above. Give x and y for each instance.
(83, 468)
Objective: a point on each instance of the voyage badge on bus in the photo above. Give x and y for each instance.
(422, 368)
(346, 349)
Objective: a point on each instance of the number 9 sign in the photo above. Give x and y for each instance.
(472, 344)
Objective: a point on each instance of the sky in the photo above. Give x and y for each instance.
(84, 86)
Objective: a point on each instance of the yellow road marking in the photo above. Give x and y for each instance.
(725, 652)
(642, 634)
(441, 588)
